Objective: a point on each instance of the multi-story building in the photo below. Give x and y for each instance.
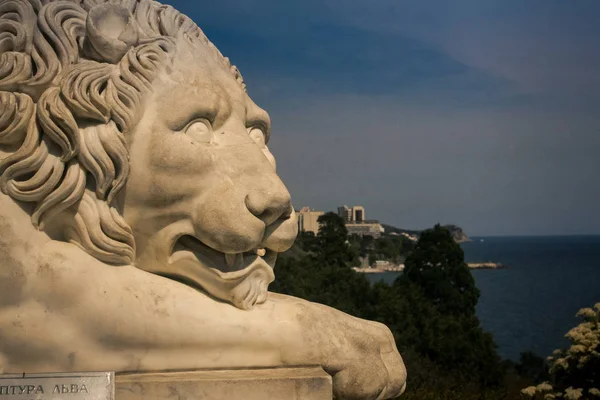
(352, 214)
(308, 220)
(365, 228)
(346, 213)
(354, 219)
(356, 222)
(358, 214)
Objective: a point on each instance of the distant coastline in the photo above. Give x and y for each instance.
(457, 233)
(400, 267)
(379, 270)
(486, 265)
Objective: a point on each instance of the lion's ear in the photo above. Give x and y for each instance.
(111, 32)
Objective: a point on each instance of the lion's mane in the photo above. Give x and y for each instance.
(66, 109)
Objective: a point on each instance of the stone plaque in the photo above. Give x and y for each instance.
(301, 383)
(58, 386)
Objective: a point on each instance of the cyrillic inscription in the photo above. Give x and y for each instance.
(75, 386)
(28, 389)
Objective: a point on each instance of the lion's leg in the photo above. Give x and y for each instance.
(94, 317)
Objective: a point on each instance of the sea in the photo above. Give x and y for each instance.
(531, 304)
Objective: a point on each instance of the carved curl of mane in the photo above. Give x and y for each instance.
(66, 109)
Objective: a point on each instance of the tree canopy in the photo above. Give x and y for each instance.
(574, 371)
(437, 265)
(430, 310)
(333, 247)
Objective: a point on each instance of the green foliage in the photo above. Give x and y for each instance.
(372, 259)
(389, 248)
(392, 248)
(575, 371)
(456, 232)
(334, 285)
(333, 247)
(393, 229)
(430, 309)
(437, 266)
(366, 244)
(307, 241)
(430, 381)
(532, 366)
(441, 292)
(325, 275)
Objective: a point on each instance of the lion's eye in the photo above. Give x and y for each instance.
(200, 131)
(258, 136)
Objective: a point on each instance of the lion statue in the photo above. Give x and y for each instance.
(141, 213)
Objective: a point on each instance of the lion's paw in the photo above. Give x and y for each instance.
(360, 355)
(375, 370)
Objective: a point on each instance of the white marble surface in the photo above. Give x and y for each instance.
(141, 213)
(257, 384)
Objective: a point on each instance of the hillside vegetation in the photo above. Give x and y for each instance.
(430, 309)
(457, 232)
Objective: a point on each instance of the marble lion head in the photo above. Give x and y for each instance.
(124, 131)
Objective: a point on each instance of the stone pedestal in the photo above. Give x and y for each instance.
(248, 384)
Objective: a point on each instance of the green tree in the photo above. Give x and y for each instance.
(531, 366)
(447, 354)
(307, 241)
(326, 276)
(372, 259)
(389, 248)
(367, 245)
(441, 296)
(575, 371)
(437, 265)
(333, 245)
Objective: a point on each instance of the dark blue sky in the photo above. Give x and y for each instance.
(480, 113)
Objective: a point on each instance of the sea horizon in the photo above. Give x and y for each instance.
(531, 304)
(536, 235)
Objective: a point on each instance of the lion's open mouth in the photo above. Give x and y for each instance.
(221, 262)
(241, 279)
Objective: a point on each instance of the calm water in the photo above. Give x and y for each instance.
(532, 304)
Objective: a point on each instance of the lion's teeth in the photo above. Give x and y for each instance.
(230, 259)
(261, 252)
(239, 261)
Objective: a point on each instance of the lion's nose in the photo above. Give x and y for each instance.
(269, 205)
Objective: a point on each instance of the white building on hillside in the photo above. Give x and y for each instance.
(308, 220)
(357, 223)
